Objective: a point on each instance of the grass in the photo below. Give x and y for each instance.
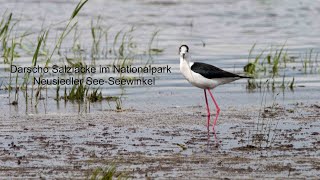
(67, 29)
(125, 51)
(273, 84)
(252, 68)
(264, 132)
(266, 63)
(270, 71)
(78, 8)
(118, 104)
(8, 49)
(273, 66)
(98, 32)
(151, 50)
(95, 96)
(124, 47)
(82, 92)
(106, 173)
(310, 62)
(77, 92)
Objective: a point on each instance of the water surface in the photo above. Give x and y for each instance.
(219, 33)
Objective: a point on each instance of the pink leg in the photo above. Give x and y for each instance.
(215, 137)
(208, 115)
(208, 110)
(217, 107)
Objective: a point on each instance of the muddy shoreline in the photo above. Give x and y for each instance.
(169, 142)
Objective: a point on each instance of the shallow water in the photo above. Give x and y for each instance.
(219, 33)
(73, 138)
(255, 142)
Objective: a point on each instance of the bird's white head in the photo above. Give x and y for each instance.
(184, 50)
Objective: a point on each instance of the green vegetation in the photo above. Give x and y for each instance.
(274, 66)
(264, 132)
(268, 64)
(118, 104)
(77, 92)
(123, 51)
(107, 173)
(95, 96)
(310, 62)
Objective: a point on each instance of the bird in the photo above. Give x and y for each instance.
(206, 77)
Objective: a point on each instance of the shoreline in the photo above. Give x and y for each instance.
(148, 144)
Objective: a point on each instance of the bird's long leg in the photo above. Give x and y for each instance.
(208, 110)
(217, 107)
(215, 136)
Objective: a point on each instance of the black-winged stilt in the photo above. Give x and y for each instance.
(206, 77)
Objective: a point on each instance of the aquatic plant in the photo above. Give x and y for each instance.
(264, 132)
(8, 50)
(124, 50)
(95, 96)
(77, 92)
(269, 66)
(265, 63)
(253, 67)
(310, 62)
(107, 173)
(118, 104)
(97, 33)
(291, 86)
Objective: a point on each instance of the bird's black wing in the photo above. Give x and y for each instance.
(210, 72)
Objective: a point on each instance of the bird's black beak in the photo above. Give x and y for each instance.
(183, 55)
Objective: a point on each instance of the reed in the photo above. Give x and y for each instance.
(268, 66)
(67, 29)
(107, 173)
(77, 93)
(124, 51)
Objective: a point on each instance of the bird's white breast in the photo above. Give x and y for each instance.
(196, 79)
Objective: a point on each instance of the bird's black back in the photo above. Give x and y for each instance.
(210, 72)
